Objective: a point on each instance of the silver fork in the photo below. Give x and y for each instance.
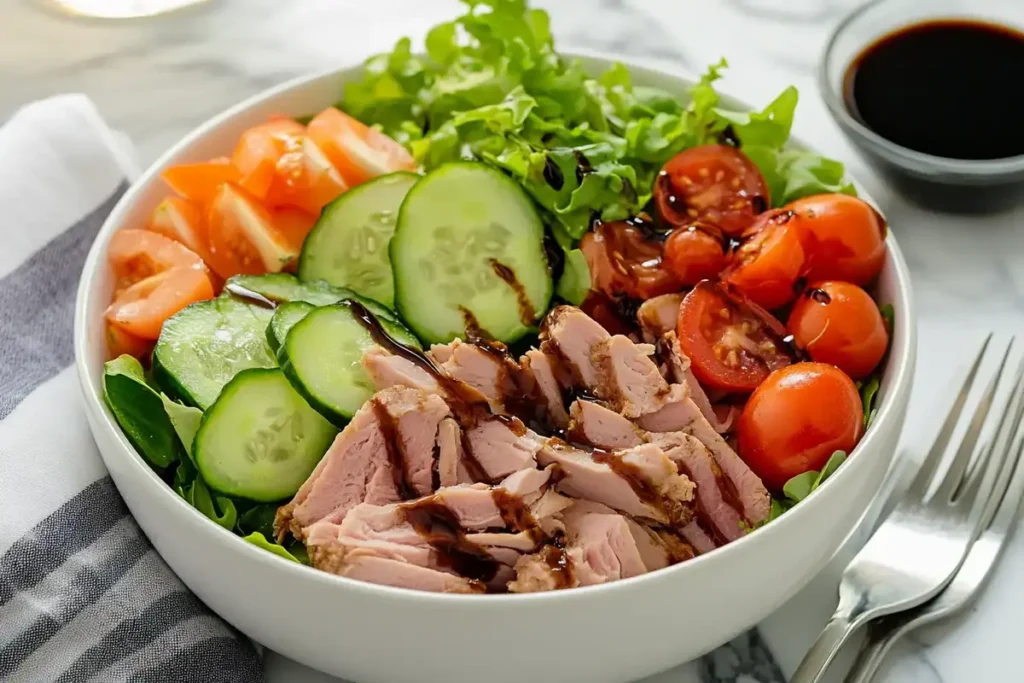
(999, 521)
(916, 551)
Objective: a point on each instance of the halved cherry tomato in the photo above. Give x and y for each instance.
(180, 220)
(242, 236)
(844, 237)
(766, 265)
(199, 182)
(259, 149)
(624, 260)
(139, 254)
(733, 344)
(714, 184)
(694, 253)
(839, 323)
(142, 308)
(120, 341)
(304, 178)
(356, 150)
(796, 420)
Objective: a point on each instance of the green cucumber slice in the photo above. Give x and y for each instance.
(348, 246)
(260, 440)
(203, 346)
(285, 317)
(322, 357)
(283, 287)
(468, 250)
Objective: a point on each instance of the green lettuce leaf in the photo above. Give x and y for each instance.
(802, 485)
(140, 412)
(260, 541)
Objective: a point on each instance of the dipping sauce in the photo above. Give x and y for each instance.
(951, 88)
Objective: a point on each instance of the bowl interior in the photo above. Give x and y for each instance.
(308, 95)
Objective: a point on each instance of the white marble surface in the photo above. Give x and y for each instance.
(155, 79)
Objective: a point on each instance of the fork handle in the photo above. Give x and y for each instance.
(836, 632)
(881, 636)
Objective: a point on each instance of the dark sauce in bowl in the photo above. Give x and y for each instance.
(949, 88)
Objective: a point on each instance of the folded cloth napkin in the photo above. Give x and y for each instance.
(83, 595)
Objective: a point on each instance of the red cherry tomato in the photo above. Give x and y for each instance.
(839, 323)
(766, 265)
(714, 184)
(796, 419)
(733, 344)
(694, 253)
(844, 237)
(624, 260)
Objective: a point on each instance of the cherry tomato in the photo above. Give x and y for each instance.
(243, 237)
(138, 254)
(715, 184)
(356, 150)
(844, 237)
(199, 182)
(142, 309)
(733, 344)
(694, 253)
(120, 342)
(839, 323)
(796, 419)
(766, 265)
(258, 151)
(624, 260)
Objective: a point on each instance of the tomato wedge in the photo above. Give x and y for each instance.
(259, 149)
(243, 237)
(356, 150)
(199, 182)
(304, 178)
(180, 220)
(768, 262)
(139, 254)
(713, 184)
(732, 343)
(120, 342)
(142, 309)
(293, 225)
(623, 260)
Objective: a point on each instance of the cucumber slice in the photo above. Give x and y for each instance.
(284, 319)
(469, 249)
(206, 344)
(348, 247)
(321, 356)
(283, 287)
(260, 440)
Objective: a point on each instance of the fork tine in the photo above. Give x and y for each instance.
(1009, 506)
(1008, 427)
(954, 476)
(920, 485)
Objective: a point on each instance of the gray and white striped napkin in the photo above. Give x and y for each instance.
(83, 595)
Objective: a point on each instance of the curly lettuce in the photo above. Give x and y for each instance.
(491, 87)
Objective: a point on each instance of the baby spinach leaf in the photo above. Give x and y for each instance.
(803, 485)
(218, 508)
(258, 518)
(867, 399)
(184, 419)
(140, 412)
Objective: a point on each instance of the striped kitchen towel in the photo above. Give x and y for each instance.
(83, 595)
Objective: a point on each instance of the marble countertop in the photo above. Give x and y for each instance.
(155, 79)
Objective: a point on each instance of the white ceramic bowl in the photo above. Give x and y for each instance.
(616, 632)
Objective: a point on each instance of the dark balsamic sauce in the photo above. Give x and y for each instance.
(819, 295)
(638, 481)
(553, 174)
(526, 313)
(559, 564)
(393, 446)
(943, 87)
(441, 529)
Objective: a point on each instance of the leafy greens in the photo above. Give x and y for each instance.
(491, 87)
